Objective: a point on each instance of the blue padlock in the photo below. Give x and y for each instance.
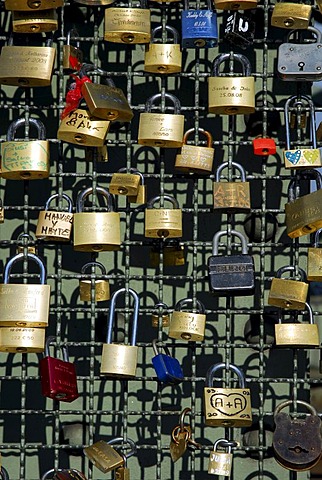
(199, 27)
(167, 368)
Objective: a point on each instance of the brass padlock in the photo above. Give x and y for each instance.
(103, 456)
(227, 407)
(22, 340)
(140, 196)
(53, 225)
(128, 25)
(28, 159)
(36, 65)
(26, 242)
(291, 15)
(32, 4)
(1, 212)
(231, 95)
(24, 305)
(286, 293)
(35, 21)
(96, 231)
(122, 472)
(95, 3)
(125, 183)
(72, 54)
(188, 325)
(297, 335)
(231, 196)
(161, 129)
(314, 260)
(221, 462)
(235, 4)
(160, 310)
(173, 254)
(163, 58)
(120, 360)
(195, 158)
(101, 287)
(163, 222)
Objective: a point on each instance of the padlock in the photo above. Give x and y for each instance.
(231, 275)
(163, 222)
(195, 158)
(161, 129)
(26, 242)
(128, 25)
(227, 407)
(63, 474)
(167, 368)
(34, 21)
(58, 377)
(188, 325)
(22, 340)
(297, 335)
(264, 146)
(101, 287)
(297, 443)
(95, 3)
(163, 58)
(1, 212)
(120, 360)
(231, 95)
(103, 456)
(4, 474)
(21, 304)
(156, 314)
(303, 215)
(181, 437)
(140, 195)
(291, 15)
(96, 154)
(314, 260)
(173, 254)
(221, 462)
(122, 472)
(25, 160)
(32, 4)
(235, 4)
(36, 65)
(286, 293)
(231, 196)
(239, 30)
(55, 226)
(72, 54)
(96, 231)
(199, 27)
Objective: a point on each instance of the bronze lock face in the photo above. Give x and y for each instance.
(297, 335)
(31, 5)
(128, 25)
(26, 242)
(165, 318)
(286, 293)
(55, 226)
(34, 21)
(129, 184)
(163, 58)
(193, 158)
(81, 128)
(103, 456)
(101, 287)
(172, 250)
(231, 196)
(314, 260)
(163, 222)
(188, 325)
(22, 340)
(72, 54)
(291, 15)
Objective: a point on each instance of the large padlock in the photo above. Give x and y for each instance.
(239, 29)
(188, 325)
(221, 462)
(120, 360)
(36, 64)
(22, 340)
(163, 222)
(231, 275)
(227, 407)
(231, 196)
(28, 159)
(32, 4)
(231, 95)
(297, 335)
(199, 27)
(58, 377)
(130, 184)
(264, 146)
(172, 250)
(128, 25)
(34, 21)
(291, 15)
(96, 231)
(167, 368)
(101, 287)
(286, 293)
(161, 129)
(314, 260)
(24, 305)
(297, 443)
(55, 226)
(160, 310)
(195, 158)
(163, 58)
(72, 54)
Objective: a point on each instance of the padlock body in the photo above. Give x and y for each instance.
(72, 57)
(32, 5)
(231, 196)
(239, 30)
(304, 215)
(124, 184)
(231, 275)
(172, 257)
(199, 28)
(24, 305)
(102, 290)
(22, 340)
(27, 160)
(264, 146)
(291, 15)
(108, 103)
(231, 95)
(54, 226)
(235, 5)
(286, 293)
(314, 264)
(103, 456)
(165, 320)
(290, 64)
(163, 58)
(140, 198)
(122, 473)
(97, 231)
(297, 335)
(227, 407)
(81, 128)
(187, 326)
(168, 369)
(119, 360)
(220, 463)
(163, 223)
(58, 379)
(195, 159)
(127, 25)
(161, 130)
(34, 21)
(302, 158)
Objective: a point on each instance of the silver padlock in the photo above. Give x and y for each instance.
(220, 462)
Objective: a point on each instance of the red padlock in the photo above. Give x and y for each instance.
(58, 377)
(264, 146)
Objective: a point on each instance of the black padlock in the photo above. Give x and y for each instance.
(239, 30)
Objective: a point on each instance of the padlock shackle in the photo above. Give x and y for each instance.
(4, 475)
(85, 193)
(64, 196)
(160, 304)
(297, 100)
(176, 103)
(50, 472)
(185, 412)
(307, 307)
(202, 131)
(99, 265)
(122, 440)
(282, 405)
(38, 124)
(189, 301)
(90, 68)
(186, 5)
(64, 349)
(310, 29)
(221, 233)
(20, 257)
(134, 171)
(21, 237)
(166, 197)
(294, 182)
(69, 34)
(317, 238)
(135, 317)
(236, 165)
(291, 268)
(156, 351)
(223, 442)
(221, 366)
(168, 28)
(245, 63)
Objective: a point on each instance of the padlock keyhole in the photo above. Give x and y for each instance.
(301, 66)
(298, 449)
(289, 22)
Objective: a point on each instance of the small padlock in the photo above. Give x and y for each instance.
(156, 314)
(128, 25)
(239, 30)
(163, 58)
(173, 254)
(34, 21)
(297, 443)
(199, 27)
(264, 146)
(140, 195)
(55, 226)
(24, 305)
(314, 260)
(72, 54)
(101, 287)
(221, 462)
(96, 154)
(231, 95)
(25, 160)
(26, 242)
(32, 4)
(125, 183)
(235, 4)
(161, 129)
(96, 231)
(103, 456)
(231, 196)
(291, 15)
(167, 368)
(120, 360)
(286, 293)
(195, 158)
(1, 211)
(188, 325)
(163, 222)
(122, 472)
(297, 335)
(181, 437)
(58, 377)
(231, 275)
(227, 407)
(22, 340)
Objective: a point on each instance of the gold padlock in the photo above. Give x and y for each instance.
(231, 95)
(314, 260)
(231, 196)
(22, 340)
(103, 456)
(96, 231)
(163, 222)
(32, 5)
(101, 287)
(81, 128)
(188, 325)
(95, 3)
(34, 21)
(173, 254)
(120, 360)
(297, 335)
(163, 58)
(129, 184)
(128, 25)
(195, 158)
(235, 4)
(26, 242)
(220, 462)
(122, 472)
(1, 212)
(160, 311)
(286, 293)
(25, 160)
(291, 15)
(53, 225)
(72, 54)
(161, 129)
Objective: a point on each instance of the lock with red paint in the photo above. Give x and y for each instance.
(264, 146)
